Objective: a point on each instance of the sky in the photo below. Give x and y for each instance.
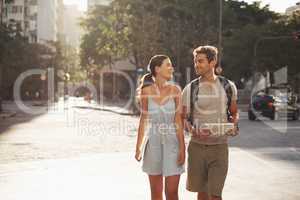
(275, 5)
(82, 4)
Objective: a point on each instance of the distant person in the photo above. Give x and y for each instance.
(160, 129)
(77, 94)
(88, 97)
(37, 95)
(208, 100)
(27, 95)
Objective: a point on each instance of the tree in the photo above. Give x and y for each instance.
(176, 27)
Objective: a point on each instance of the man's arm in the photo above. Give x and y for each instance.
(186, 124)
(234, 108)
(234, 112)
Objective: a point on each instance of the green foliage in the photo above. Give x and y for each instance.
(18, 56)
(140, 29)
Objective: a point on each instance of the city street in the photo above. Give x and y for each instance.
(76, 153)
(72, 70)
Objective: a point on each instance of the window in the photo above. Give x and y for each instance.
(26, 24)
(8, 2)
(5, 12)
(26, 11)
(16, 9)
(19, 25)
(33, 2)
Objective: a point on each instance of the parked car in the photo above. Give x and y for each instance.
(274, 102)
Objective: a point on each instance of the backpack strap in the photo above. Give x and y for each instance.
(193, 96)
(228, 90)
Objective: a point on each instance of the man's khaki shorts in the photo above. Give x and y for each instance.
(207, 168)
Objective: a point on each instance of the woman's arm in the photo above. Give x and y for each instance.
(142, 123)
(179, 125)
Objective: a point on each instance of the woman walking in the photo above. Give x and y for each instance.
(161, 124)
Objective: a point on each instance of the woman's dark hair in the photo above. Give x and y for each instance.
(155, 61)
(147, 79)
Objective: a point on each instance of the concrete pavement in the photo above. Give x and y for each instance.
(50, 157)
(118, 176)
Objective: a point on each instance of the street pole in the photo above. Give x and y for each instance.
(2, 11)
(1, 23)
(1, 88)
(220, 31)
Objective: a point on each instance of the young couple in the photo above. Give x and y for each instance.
(166, 112)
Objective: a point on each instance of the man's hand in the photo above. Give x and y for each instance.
(233, 132)
(201, 133)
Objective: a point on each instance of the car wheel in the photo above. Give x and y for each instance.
(296, 115)
(251, 115)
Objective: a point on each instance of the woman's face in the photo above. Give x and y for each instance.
(165, 70)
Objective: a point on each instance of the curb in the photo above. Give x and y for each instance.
(106, 109)
(6, 114)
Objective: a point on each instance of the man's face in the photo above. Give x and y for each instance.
(202, 65)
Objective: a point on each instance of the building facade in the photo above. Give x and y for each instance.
(72, 29)
(38, 20)
(49, 20)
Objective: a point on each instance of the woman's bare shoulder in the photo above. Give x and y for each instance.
(176, 89)
(146, 90)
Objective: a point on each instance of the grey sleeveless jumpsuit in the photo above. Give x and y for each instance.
(162, 147)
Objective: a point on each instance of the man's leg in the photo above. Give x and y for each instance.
(197, 170)
(217, 170)
(215, 198)
(202, 196)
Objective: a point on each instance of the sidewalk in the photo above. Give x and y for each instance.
(117, 176)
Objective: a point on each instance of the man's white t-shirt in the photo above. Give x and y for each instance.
(210, 106)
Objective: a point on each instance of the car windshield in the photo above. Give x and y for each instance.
(281, 95)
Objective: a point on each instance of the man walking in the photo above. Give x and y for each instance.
(207, 100)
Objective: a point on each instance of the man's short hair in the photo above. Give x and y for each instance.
(211, 52)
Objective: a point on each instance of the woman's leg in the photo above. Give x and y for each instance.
(156, 185)
(171, 190)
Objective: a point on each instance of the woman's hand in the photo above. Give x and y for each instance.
(138, 155)
(181, 156)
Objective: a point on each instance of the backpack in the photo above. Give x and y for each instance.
(194, 94)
